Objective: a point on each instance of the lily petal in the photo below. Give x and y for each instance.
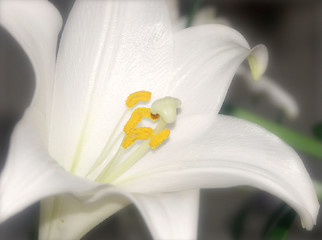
(109, 49)
(35, 26)
(30, 174)
(74, 216)
(71, 217)
(170, 216)
(206, 59)
(232, 152)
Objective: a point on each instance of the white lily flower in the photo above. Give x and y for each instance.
(275, 94)
(74, 141)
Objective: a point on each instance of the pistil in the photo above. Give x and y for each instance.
(164, 110)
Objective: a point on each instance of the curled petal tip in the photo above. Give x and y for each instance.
(257, 60)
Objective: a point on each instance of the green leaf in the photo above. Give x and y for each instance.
(317, 131)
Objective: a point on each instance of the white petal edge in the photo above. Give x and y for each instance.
(35, 26)
(108, 50)
(206, 59)
(232, 152)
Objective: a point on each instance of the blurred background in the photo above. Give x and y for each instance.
(292, 32)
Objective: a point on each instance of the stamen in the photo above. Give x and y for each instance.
(136, 97)
(142, 133)
(164, 109)
(132, 99)
(108, 146)
(136, 117)
(128, 162)
(157, 139)
(110, 166)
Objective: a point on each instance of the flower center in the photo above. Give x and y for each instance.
(163, 110)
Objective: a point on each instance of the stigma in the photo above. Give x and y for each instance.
(167, 108)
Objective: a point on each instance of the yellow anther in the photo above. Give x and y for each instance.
(142, 133)
(136, 97)
(157, 139)
(166, 107)
(136, 117)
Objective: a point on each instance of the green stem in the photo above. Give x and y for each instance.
(297, 140)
